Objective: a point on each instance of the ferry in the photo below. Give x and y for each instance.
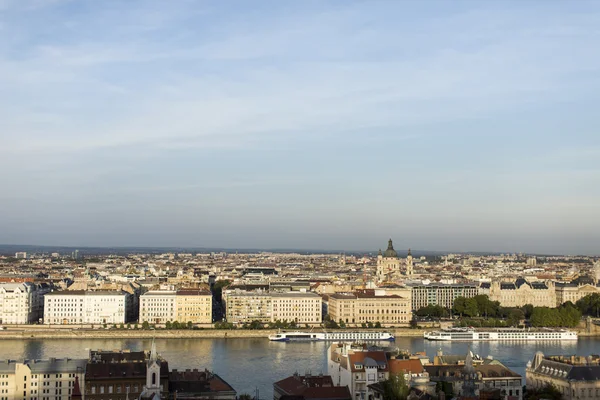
(500, 334)
(331, 336)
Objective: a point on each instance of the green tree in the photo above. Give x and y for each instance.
(459, 305)
(378, 325)
(190, 325)
(528, 310)
(471, 308)
(168, 325)
(549, 392)
(145, 325)
(342, 324)
(121, 326)
(395, 388)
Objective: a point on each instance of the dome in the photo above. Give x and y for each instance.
(390, 252)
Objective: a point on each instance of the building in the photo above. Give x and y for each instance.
(158, 306)
(21, 255)
(440, 294)
(118, 375)
(86, 307)
(193, 305)
(154, 389)
(309, 387)
(521, 292)
(470, 376)
(356, 367)
(22, 303)
(301, 307)
(366, 306)
(51, 379)
(573, 292)
(241, 307)
(199, 385)
(576, 377)
(389, 265)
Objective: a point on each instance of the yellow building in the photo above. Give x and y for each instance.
(193, 305)
(573, 292)
(301, 307)
(521, 292)
(370, 306)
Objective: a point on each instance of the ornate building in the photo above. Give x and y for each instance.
(521, 292)
(389, 265)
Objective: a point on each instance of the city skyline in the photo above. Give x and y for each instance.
(463, 127)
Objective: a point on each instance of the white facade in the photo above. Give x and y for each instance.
(51, 379)
(81, 307)
(301, 307)
(158, 306)
(21, 303)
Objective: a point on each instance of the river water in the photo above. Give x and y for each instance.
(251, 364)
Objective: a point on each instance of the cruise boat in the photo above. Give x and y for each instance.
(504, 334)
(331, 336)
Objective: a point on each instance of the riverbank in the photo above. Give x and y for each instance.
(159, 334)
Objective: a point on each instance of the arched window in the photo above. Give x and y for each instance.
(153, 378)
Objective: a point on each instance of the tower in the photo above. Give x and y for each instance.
(596, 274)
(470, 378)
(409, 263)
(387, 262)
(152, 388)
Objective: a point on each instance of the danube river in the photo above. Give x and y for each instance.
(250, 364)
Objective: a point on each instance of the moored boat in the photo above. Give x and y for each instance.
(500, 334)
(331, 336)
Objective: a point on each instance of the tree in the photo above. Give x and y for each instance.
(395, 388)
(342, 324)
(471, 308)
(459, 305)
(528, 310)
(145, 325)
(378, 325)
(168, 325)
(245, 396)
(190, 325)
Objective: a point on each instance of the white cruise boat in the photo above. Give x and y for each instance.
(500, 334)
(331, 336)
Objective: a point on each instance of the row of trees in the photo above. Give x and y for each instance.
(481, 311)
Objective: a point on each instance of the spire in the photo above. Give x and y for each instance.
(380, 253)
(390, 245)
(153, 356)
(76, 393)
(409, 253)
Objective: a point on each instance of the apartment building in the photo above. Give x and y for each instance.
(83, 307)
(357, 368)
(158, 306)
(369, 306)
(241, 307)
(441, 294)
(301, 307)
(22, 303)
(51, 379)
(193, 305)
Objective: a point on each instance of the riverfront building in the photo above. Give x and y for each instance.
(22, 303)
(355, 367)
(158, 306)
(51, 379)
(369, 306)
(86, 307)
(241, 307)
(573, 292)
(193, 305)
(520, 292)
(390, 266)
(302, 307)
(440, 294)
(576, 377)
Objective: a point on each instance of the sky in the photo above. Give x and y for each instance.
(449, 126)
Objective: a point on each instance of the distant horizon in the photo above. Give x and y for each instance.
(400, 251)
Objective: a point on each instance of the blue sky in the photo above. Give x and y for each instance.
(456, 126)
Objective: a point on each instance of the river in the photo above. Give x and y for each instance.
(250, 364)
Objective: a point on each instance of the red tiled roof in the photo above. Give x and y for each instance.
(411, 366)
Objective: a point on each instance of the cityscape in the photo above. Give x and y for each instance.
(299, 200)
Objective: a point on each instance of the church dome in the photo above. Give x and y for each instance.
(390, 252)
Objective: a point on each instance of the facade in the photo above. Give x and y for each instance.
(22, 303)
(193, 305)
(575, 377)
(356, 368)
(573, 292)
(158, 306)
(441, 294)
(301, 307)
(51, 379)
(243, 307)
(85, 307)
(389, 265)
(369, 306)
(521, 292)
